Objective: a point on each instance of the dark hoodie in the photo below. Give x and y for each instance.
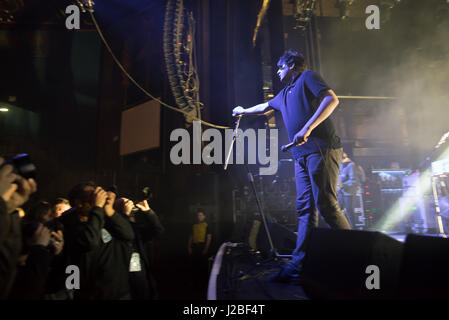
(100, 248)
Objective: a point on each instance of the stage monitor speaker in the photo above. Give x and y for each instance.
(425, 268)
(336, 264)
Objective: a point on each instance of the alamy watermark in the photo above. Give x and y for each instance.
(212, 153)
(373, 20)
(73, 19)
(73, 280)
(373, 280)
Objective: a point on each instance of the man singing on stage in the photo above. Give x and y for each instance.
(306, 104)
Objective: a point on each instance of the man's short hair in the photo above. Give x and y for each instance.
(293, 57)
(38, 212)
(61, 201)
(77, 192)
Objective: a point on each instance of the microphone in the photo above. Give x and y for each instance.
(287, 146)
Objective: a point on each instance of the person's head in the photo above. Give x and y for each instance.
(291, 63)
(345, 158)
(82, 197)
(200, 215)
(61, 205)
(41, 212)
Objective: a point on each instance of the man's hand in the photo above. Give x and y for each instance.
(41, 236)
(109, 206)
(19, 193)
(128, 206)
(237, 111)
(7, 177)
(302, 136)
(100, 197)
(143, 206)
(57, 239)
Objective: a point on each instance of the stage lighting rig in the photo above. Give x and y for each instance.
(344, 7)
(385, 7)
(304, 12)
(86, 5)
(389, 3)
(181, 60)
(9, 9)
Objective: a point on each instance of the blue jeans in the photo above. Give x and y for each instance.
(316, 185)
(347, 202)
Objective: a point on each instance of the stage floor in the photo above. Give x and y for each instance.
(245, 275)
(402, 236)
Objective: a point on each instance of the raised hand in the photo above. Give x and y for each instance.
(7, 177)
(237, 111)
(129, 205)
(19, 193)
(109, 205)
(143, 206)
(57, 239)
(41, 236)
(100, 197)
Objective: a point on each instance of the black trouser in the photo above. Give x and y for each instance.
(316, 182)
(347, 202)
(199, 264)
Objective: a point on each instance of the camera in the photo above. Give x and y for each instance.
(30, 227)
(145, 194)
(22, 165)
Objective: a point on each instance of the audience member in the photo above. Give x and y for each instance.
(198, 249)
(14, 192)
(95, 240)
(146, 226)
(60, 206)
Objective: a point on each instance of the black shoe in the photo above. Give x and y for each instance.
(287, 274)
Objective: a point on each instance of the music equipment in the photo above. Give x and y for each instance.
(336, 262)
(424, 268)
(283, 239)
(287, 147)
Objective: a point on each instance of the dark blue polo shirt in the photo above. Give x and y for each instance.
(298, 102)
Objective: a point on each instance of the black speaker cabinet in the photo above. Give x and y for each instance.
(337, 261)
(425, 268)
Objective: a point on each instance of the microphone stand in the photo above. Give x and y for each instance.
(273, 252)
(234, 137)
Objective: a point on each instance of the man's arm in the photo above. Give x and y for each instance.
(117, 225)
(148, 225)
(259, 109)
(208, 241)
(351, 180)
(147, 222)
(328, 104)
(351, 183)
(10, 247)
(32, 277)
(86, 235)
